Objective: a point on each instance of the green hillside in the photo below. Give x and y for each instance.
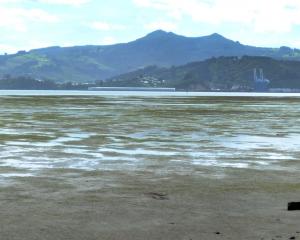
(224, 73)
(91, 63)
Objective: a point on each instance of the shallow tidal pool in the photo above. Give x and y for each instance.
(205, 135)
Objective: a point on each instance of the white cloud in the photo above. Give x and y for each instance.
(11, 1)
(39, 15)
(261, 15)
(167, 26)
(18, 19)
(58, 2)
(65, 2)
(105, 26)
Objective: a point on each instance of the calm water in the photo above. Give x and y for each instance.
(154, 132)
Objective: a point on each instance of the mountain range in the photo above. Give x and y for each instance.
(163, 49)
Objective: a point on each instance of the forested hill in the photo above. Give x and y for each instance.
(91, 63)
(224, 73)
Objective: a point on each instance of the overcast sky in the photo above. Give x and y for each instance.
(28, 24)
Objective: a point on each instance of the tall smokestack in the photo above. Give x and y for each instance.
(254, 75)
(261, 74)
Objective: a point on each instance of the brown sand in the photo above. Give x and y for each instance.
(71, 204)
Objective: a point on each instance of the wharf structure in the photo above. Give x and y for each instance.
(138, 89)
(261, 84)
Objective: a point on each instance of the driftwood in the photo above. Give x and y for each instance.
(293, 206)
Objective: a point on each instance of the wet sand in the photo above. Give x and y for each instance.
(92, 168)
(67, 204)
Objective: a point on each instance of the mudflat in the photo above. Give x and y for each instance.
(70, 204)
(149, 168)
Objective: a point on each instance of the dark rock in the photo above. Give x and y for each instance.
(158, 196)
(293, 206)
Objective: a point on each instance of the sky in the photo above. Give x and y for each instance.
(30, 24)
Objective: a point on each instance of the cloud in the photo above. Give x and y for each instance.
(278, 16)
(65, 2)
(11, 1)
(57, 2)
(19, 19)
(38, 15)
(105, 26)
(167, 26)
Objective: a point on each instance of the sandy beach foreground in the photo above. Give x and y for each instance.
(70, 204)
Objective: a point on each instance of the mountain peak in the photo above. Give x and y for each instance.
(216, 36)
(159, 33)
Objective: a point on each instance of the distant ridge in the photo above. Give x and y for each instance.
(164, 49)
(223, 74)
